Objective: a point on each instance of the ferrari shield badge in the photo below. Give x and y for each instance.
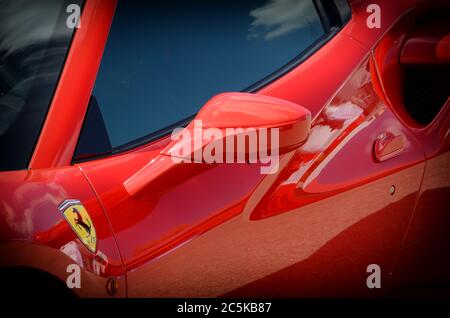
(80, 221)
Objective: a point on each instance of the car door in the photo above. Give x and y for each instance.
(338, 204)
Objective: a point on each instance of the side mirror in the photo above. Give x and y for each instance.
(231, 127)
(234, 126)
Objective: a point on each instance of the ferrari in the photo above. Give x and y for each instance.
(107, 188)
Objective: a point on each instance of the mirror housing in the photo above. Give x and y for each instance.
(230, 115)
(234, 116)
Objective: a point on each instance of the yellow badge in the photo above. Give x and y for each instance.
(80, 221)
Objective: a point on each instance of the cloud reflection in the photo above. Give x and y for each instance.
(24, 23)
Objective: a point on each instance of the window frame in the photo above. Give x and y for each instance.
(334, 15)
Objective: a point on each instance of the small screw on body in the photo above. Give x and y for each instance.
(112, 286)
(392, 190)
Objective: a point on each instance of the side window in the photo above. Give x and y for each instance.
(34, 40)
(165, 59)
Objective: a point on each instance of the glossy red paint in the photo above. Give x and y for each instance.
(251, 110)
(244, 110)
(390, 13)
(35, 234)
(199, 230)
(388, 145)
(281, 224)
(238, 111)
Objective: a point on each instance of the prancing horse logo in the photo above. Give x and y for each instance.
(80, 222)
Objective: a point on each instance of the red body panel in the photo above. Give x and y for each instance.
(358, 192)
(274, 223)
(35, 234)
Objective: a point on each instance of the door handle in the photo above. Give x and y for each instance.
(387, 145)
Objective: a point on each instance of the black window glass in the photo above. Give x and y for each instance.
(34, 40)
(165, 59)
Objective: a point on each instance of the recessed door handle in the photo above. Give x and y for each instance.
(388, 146)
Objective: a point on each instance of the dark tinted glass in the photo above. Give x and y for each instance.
(34, 40)
(165, 59)
(94, 139)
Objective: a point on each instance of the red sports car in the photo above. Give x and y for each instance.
(350, 100)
